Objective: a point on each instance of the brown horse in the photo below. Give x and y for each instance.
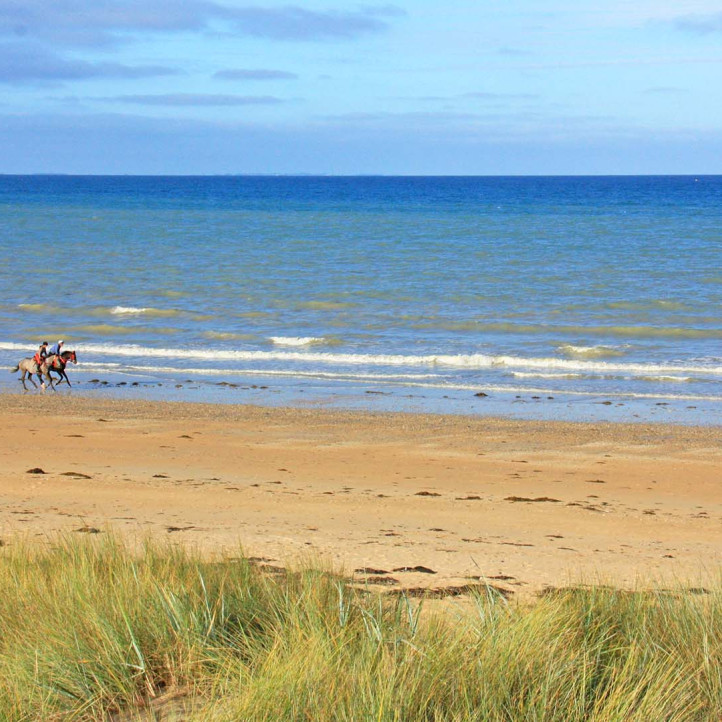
(55, 363)
(58, 362)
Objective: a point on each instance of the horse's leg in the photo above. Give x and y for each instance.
(61, 375)
(45, 372)
(50, 380)
(30, 377)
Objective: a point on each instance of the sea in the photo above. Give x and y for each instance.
(574, 298)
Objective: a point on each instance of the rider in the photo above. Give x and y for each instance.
(55, 348)
(41, 354)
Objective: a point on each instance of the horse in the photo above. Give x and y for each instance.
(58, 362)
(54, 363)
(28, 368)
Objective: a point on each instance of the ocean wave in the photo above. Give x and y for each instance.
(678, 332)
(590, 352)
(660, 304)
(104, 329)
(336, 376)
(665, 378)
(107, 329)
(541, 375)
(127, 310)
(145, 311)
(459, 361)
(39, 307)
(228, 336)
(296, 340)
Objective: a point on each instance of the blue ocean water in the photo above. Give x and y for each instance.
(602, 293)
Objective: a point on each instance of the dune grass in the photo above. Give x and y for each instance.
(90, 630)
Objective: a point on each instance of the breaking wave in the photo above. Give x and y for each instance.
(296, 340)
(145, 311)
(457, 361)
(590, 352)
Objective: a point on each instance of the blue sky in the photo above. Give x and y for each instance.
(408, 87)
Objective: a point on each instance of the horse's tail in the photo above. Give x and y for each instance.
(15, 370)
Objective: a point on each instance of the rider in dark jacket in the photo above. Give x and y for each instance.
(41, 354)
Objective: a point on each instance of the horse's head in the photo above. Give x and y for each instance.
(69, 356)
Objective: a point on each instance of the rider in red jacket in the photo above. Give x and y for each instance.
(41, 354)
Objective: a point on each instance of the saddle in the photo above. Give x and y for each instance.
(56, 361)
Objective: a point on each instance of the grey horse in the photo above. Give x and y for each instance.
(28, 367)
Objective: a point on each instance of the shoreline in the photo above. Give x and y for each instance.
(292, 379)
(81, 401)
(527, 504)
(270, 392)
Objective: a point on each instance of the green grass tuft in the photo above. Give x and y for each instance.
(91, 630)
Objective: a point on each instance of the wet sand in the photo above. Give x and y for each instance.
(526, 505)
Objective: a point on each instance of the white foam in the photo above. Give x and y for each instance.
(127, 310)
(179, 371)
(590, 352)
(295, 340)
(665, 378)
(542, 375)
(460, 361)
(144, 311)
(411, 380)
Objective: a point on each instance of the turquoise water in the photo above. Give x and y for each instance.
(383, 293)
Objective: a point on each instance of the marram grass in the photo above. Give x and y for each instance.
(91, 630)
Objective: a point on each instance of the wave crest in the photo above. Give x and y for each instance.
(296, 340)
(145, 311)
(590, 352)
(460, 361)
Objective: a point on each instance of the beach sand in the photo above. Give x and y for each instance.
(526, 505)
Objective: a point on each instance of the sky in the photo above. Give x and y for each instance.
(412, 87)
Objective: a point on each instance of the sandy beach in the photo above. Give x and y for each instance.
(387, 497)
